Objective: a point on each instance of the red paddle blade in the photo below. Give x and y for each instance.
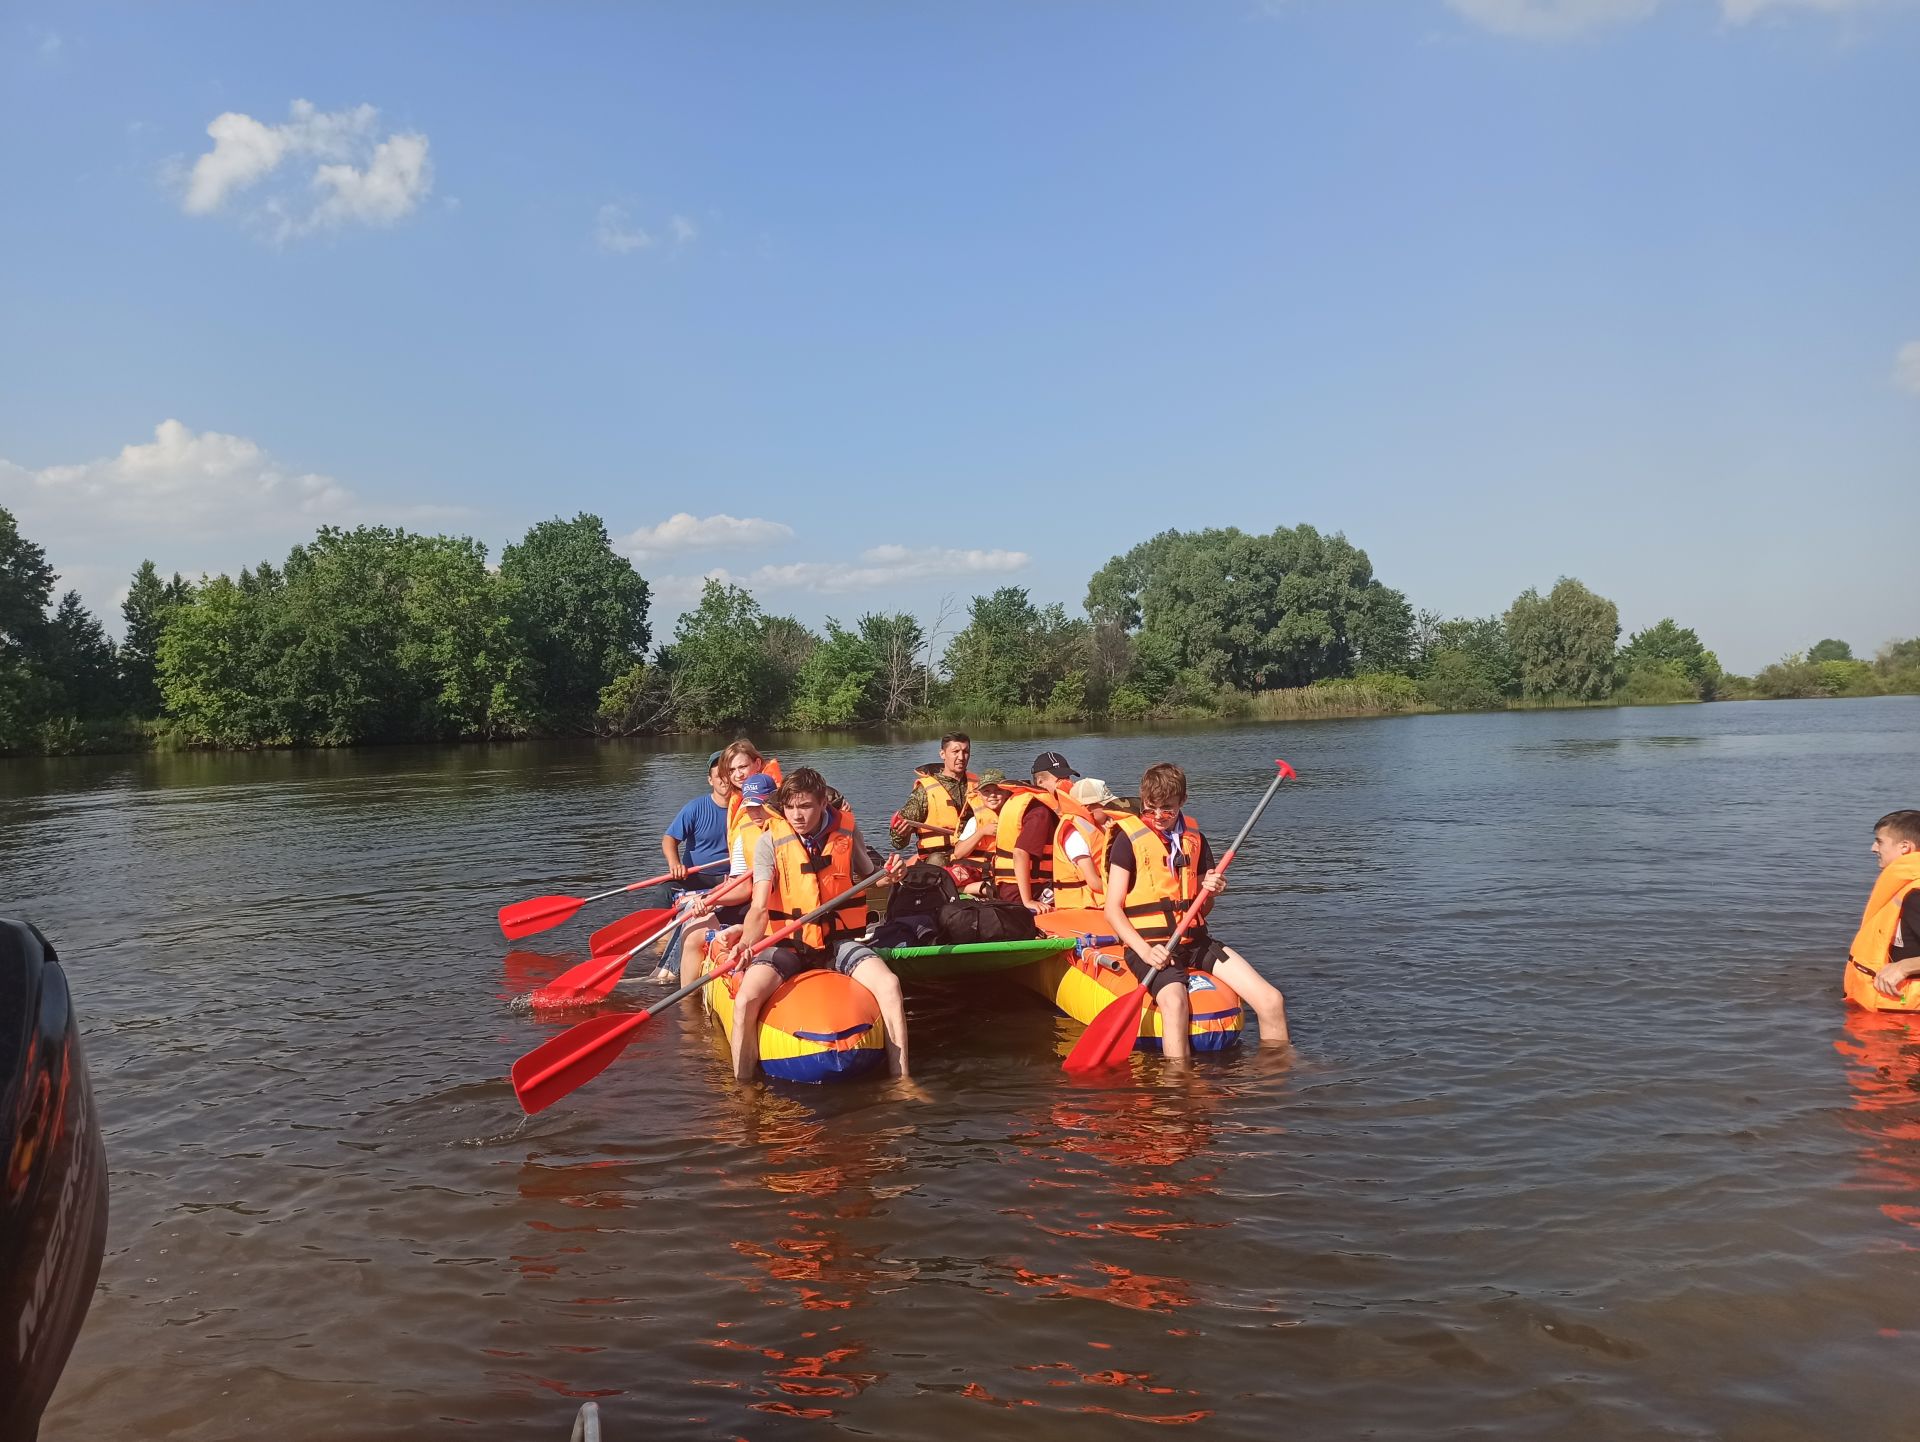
(1109, 1037)
(630, 931)
(572, 1059)
(589, 981)
(539, 913)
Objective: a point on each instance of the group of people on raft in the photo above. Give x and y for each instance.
(1058, 841)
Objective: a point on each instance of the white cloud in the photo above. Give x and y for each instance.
(1551, 19)
(177, 482)
(616, 234)
(884, 566)
(191, 502)
(1906, 367)
(1741, 11)
(357, 177)
(49, 46)
(1559, 19)
(687, 532)
(394, 180)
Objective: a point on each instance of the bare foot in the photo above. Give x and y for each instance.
(906, 1089)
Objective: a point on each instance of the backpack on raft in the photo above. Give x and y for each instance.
(913, 910)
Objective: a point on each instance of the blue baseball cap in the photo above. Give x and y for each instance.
(714, 760)
(759, 788)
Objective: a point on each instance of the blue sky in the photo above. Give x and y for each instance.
(893, 301)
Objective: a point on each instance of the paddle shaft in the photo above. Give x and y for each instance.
(652, 881)
(614, 1037)
(1226, 859)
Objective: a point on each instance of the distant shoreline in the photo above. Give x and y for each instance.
(152, 740)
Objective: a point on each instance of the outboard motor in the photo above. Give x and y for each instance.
(53, 1179)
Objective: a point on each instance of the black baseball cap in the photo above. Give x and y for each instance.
(1054, 762)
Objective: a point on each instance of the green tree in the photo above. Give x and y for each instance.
(729, 662)
(1830, 650)
(80, 665)
(1664, 651)
(1898, 665)
(371, 634)
(214, 663)
(579, 613)
(1011, 654)
(150, 603)
(1253, 611)
(895, 641)
(467, 672)
(26, 585)
(1453, 682)
(838, 685)
(1563, 643)
(1463, 664)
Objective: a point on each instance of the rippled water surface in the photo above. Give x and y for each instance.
(1576, 1140)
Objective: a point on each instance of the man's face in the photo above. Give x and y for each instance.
(803, 812)
(1888, 848)
(740, 768)
(954, 757)
(717, 779)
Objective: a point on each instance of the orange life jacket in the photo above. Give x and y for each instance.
(941, 811)
(1158, 895)
(1070, 889)
(1006, 832)
(1874, 940)
(801, 882)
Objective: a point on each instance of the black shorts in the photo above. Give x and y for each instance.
(1196, 953)
(790, 961)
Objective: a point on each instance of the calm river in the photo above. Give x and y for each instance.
(1576, 1140)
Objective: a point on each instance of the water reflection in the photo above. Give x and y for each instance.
(1883, 1054)
(806, 1259)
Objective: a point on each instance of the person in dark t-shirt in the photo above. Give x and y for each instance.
(1158, 867)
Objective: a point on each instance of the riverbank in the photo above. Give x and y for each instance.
(1324, 701)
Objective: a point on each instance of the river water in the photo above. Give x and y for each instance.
(1576, 1139)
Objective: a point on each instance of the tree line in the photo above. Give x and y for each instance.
(376, 634)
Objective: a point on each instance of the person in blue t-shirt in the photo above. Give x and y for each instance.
(696, 836)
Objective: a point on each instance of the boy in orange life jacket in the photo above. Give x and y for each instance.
(1896, 846)
(1023, 861)
(1157, 863)
(810, 854)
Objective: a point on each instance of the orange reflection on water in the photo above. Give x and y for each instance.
(823, 1178)
(1883, 1055)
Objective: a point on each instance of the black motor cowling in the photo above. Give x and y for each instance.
(53, 1178)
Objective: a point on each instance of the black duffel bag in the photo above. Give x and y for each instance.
(967, 921)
